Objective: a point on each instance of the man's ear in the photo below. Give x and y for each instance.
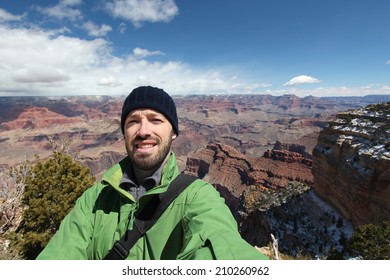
(174, 136)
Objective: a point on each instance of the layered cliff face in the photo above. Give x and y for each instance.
(351, 164)
(233, 173)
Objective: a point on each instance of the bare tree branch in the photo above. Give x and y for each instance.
(12, 187)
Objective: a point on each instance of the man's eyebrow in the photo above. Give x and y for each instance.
(157, 115)
(151, 114)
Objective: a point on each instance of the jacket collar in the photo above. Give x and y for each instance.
(114, 175)
(148, 183)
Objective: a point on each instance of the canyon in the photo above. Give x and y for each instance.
(284, 164)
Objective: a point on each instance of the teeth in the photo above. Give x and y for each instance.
(145, 146)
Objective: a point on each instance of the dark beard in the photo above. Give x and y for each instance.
(146, 162)
(150, 162)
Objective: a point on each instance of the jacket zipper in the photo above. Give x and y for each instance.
(130, 220)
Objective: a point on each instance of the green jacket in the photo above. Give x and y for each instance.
(197, 225)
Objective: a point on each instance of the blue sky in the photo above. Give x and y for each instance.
(302, 47)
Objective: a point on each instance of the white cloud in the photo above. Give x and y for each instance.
(6, 17)
(122, 27)
(388, 62)
(63, 10)
(37, 62)
(109, 81)
(302, 79)
(39, 74)
(331, 91)
(42, 63)
(142, 53)
(371, 86)
(31, 58)
(47, 62)
(139, 11)
(95, 30)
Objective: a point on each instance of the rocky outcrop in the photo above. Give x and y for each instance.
(351, 164)
(297, 148)
(232, 172)
(287, 156)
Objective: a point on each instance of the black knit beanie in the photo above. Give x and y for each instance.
(153, 98)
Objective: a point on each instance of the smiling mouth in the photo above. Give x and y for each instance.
(145, 147)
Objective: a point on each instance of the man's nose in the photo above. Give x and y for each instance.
(144, 128)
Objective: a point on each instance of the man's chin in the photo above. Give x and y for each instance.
(149, 161)
(145, 163)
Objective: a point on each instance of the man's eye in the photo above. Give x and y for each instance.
(157, 121)
(132, 122)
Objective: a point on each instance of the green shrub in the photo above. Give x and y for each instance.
(51, 190)
(371, 242)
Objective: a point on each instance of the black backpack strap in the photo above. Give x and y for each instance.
(148, 217)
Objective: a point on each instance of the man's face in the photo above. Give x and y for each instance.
(148, 137)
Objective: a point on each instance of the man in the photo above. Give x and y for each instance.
(197, 224)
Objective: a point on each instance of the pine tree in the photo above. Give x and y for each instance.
(371, 242)
(51, 190)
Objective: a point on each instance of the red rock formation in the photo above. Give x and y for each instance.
(287, 156)
(351, 164)
(231, 172)
(38, 117)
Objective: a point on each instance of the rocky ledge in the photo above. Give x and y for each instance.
(351, 164)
